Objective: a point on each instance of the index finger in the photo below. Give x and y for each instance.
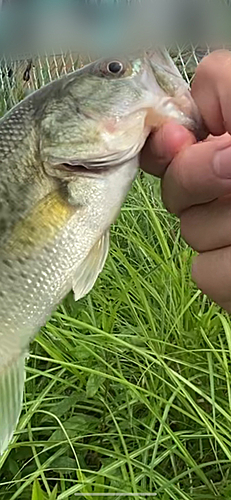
(211, 91)
(193, 177)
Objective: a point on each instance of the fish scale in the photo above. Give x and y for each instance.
(68, 156)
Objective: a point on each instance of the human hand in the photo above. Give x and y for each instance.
(196, 177)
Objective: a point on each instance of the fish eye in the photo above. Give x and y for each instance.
(115, 67)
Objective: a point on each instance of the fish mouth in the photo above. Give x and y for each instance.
(172, 99)
(182, 110)
(95, 167)
(86, 170)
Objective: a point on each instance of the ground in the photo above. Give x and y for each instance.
(128, 390)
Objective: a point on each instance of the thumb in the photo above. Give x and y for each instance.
(162, 146)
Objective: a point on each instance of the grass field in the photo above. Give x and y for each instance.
(128, 390)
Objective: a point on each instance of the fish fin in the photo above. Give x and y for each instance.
(87, 273)
(12, 379)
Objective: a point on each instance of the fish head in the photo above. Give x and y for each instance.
(96, 118)
(101, 115)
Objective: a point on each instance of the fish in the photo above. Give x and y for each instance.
(69, 153)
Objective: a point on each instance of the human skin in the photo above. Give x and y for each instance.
(196, 177)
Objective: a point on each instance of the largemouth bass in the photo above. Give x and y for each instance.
(68, 156)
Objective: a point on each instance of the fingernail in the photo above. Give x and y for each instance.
(222, 163)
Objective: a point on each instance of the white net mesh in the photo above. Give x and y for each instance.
(19, 77)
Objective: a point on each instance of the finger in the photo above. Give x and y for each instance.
(194, 176)
(213, 138)
(211, 91)
(212, 273)
(162, 146)
(208, 227)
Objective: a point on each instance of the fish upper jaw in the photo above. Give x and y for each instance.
(162, 107)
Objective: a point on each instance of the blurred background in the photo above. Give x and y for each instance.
(128, 390)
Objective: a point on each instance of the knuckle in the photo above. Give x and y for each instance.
(227, 258)
(185, 227)
(183, 170)
(225, 206)
(166, 199)
(177, 185)
(213, 63)
(189, 230)
(211, 272)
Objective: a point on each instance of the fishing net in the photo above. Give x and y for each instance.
(21, 76)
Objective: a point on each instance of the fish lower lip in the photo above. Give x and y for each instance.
(94, 167)
(81, 168)
(87, 170)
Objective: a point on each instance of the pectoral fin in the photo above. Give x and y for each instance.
(88, 272)
(11, 394)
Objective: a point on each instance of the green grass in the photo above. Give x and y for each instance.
(128, 390)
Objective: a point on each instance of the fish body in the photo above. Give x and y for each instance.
(68, 156)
